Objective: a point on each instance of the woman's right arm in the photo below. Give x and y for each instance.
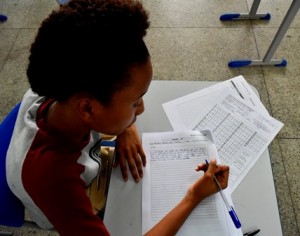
(204, 187)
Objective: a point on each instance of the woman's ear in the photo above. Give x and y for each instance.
(85, 108)
(89, 109)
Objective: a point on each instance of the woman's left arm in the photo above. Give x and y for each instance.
(129, 150)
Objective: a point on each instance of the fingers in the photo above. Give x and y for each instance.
(123, 167)
(211, 170)
(221, 172)
(142, 155)
(219, 168)
(223, 175)
(222, 168)
(130, 154)
(116, 162)
(201, 166)
(135, 164)
(204, 167)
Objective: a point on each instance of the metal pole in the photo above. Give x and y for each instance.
(282, 29)
(254, 7)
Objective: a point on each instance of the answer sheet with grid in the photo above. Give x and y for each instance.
(241, 131)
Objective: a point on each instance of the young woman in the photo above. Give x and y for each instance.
(88, 71)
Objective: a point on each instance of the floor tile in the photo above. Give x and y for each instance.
(28, 230)
(7, 40)
(192, 13)
(203, 54)
(283, 83)
(39, 11)
(290, 155)
(285, 203)
(16, 12)
(199, 53)
(277, 9)
(13, 74)
(25, 231)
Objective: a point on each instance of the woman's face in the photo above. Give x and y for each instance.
(126, 103)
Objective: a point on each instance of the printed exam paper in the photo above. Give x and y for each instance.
(241, 128)
(172, 159)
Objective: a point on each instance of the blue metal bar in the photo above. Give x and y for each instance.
(252, 15)
(267, 60)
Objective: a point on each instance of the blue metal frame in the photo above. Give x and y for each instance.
(267, 60)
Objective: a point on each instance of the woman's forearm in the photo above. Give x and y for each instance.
(172, 222)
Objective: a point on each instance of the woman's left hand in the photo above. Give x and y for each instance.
(129, 149)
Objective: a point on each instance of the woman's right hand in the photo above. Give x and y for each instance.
(206, 186)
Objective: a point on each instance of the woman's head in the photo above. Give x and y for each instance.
(88, 46)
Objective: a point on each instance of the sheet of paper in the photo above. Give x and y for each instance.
(191, 106)
(241, 130)
(172, 158)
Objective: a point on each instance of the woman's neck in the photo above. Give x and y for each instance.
(63, 119)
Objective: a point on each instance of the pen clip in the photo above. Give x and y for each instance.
(234, 218)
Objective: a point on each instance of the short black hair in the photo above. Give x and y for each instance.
(88, 46)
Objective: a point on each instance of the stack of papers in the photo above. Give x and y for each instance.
(241, 129)
(240, 124)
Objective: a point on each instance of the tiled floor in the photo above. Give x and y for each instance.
(188, 42)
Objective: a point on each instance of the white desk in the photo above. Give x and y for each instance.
(254, 199)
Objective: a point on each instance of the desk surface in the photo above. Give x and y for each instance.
(254, 199)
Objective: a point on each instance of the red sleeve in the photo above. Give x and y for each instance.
(54, 184)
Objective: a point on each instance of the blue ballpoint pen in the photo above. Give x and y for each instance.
(230, 209)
